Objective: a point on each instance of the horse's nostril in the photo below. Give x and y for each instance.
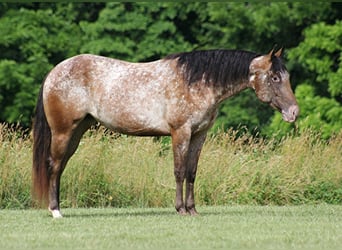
(291, 114)
(297, 111)
(294, 110)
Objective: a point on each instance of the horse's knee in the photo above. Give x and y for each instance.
(191, 174)
(190, 177)
(179, 175)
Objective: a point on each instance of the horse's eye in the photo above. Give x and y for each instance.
(275, 78)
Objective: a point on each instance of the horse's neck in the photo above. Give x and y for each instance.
(230, 90)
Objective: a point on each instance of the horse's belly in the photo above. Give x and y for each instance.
(135, 121)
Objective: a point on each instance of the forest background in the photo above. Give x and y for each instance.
(34, 37)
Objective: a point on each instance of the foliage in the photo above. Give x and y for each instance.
(134, 32)
(40, 39)
(47, 33)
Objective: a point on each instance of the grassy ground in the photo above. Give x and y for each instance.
(219, 227)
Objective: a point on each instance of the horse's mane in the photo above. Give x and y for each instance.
(217, 67)
(278, 65)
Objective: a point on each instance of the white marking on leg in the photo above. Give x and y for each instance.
(55, 213)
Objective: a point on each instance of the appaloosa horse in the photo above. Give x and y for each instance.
(178, 95)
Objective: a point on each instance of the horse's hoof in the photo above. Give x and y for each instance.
(182, 211)
(193, 212)
(56, 214)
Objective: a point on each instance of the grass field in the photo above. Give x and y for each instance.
(218, 227)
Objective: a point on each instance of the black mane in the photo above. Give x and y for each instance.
(217, 67)
(278, 65)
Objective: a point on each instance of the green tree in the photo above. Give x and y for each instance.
(47, 33)
(135, 32)
(31, 42)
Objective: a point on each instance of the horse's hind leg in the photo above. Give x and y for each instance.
(63, 145)
(59, 145)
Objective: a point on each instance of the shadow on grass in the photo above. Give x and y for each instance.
(149, 212)
(222, 211)
(117, 213)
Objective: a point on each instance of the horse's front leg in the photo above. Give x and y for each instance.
(180, 146)
(195, 147)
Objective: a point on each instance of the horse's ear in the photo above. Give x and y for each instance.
(264, 62)
(279, 52)
(261, 63)
(270, 55)
(273, 53)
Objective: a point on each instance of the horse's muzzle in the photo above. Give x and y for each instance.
(291, 114)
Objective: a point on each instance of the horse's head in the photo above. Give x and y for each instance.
(271, 82)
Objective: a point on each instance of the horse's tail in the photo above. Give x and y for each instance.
(41, 151)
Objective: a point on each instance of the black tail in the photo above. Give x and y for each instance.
(41, 151)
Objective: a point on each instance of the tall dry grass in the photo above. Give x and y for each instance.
(295, 170)
(15, 167)
(112, 170)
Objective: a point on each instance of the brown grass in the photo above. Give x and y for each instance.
(112, 170)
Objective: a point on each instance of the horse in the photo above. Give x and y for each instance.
(178, 96)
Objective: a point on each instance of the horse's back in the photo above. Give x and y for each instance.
(129, 97)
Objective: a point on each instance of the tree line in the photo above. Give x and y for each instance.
(34, 37)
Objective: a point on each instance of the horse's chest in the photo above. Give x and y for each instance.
(195, 108)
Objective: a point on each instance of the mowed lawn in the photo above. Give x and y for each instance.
(221, 227)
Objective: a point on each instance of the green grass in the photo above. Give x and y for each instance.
(219, 227)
